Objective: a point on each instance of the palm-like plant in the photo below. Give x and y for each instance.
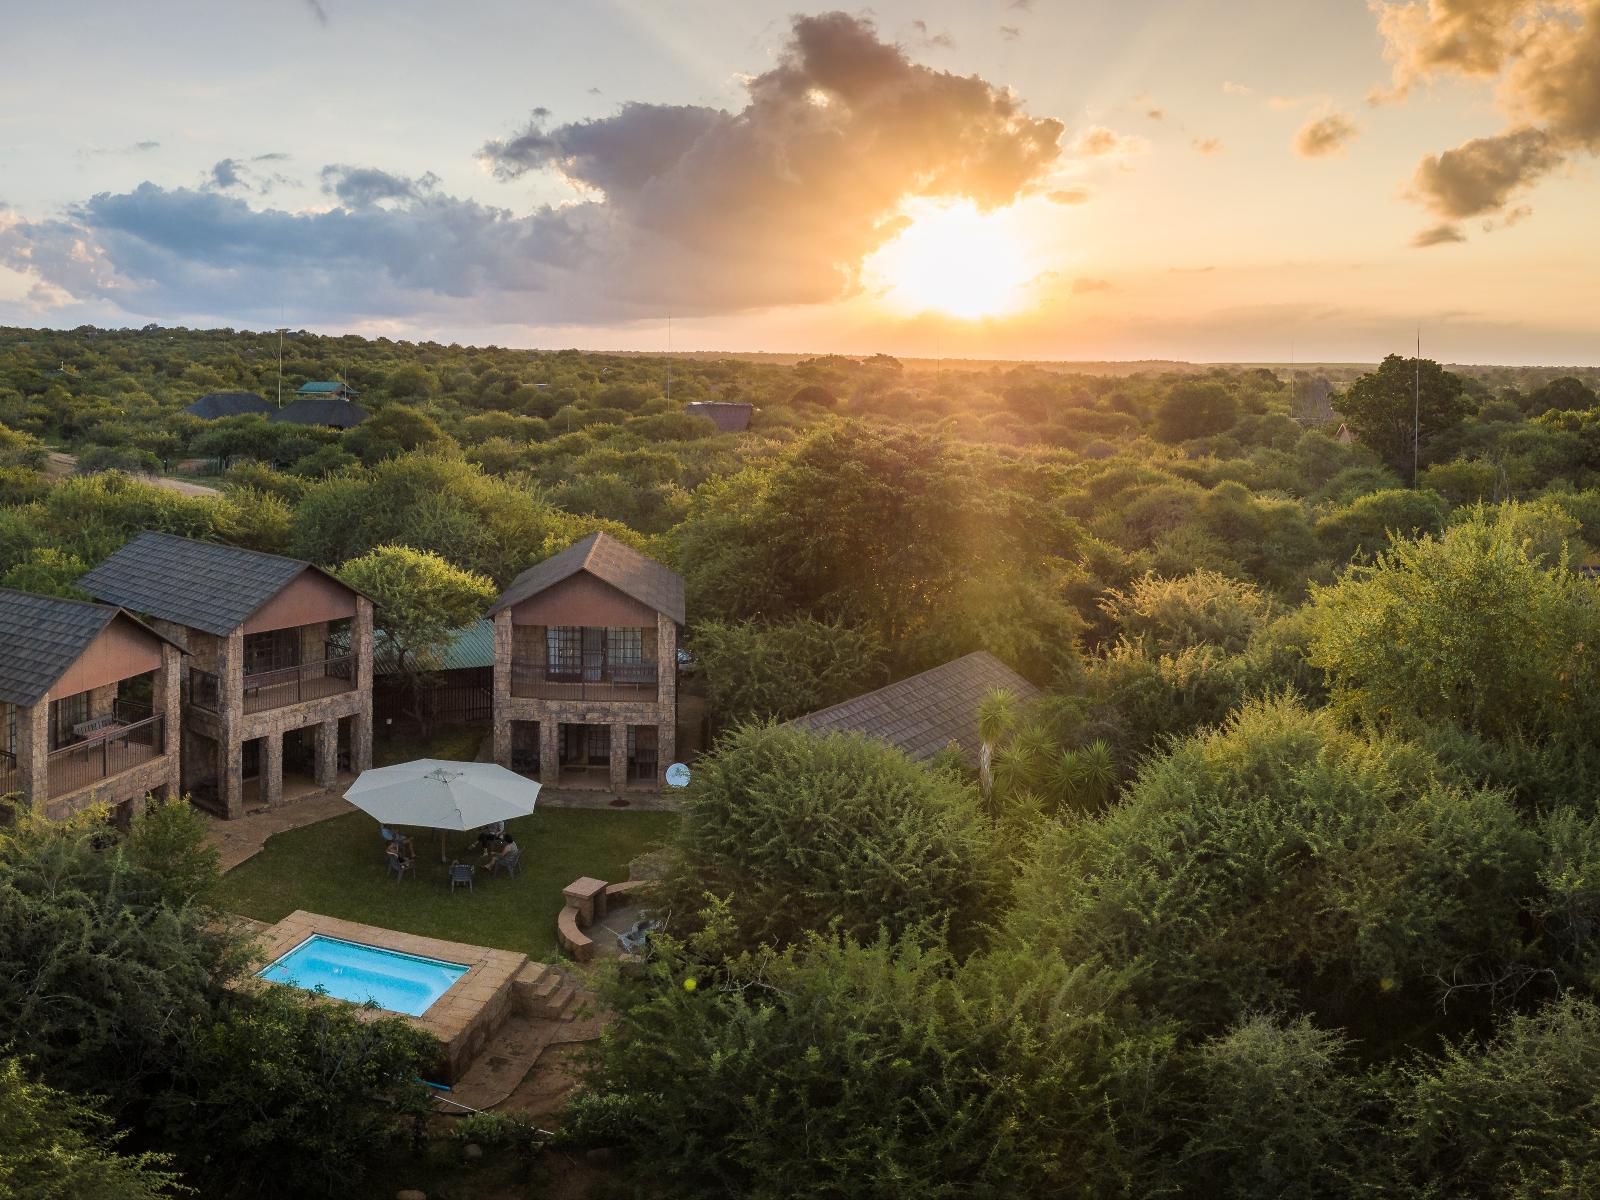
(997, 716)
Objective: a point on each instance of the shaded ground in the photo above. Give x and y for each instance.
(337, 867)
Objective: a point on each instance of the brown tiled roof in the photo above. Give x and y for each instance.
(927, 712)
(607, 559)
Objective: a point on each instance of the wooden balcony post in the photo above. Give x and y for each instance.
(33, 752)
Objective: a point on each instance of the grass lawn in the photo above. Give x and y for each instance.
(337, 868)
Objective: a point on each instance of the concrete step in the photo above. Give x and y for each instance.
(560, 1004)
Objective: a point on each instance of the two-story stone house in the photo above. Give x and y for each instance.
(585, 668)
(89, 706)
(280, 662)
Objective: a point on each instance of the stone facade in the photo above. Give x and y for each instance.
(660, 714)
(215, 738)
(127, 790)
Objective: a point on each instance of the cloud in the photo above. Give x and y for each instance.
(1010, 32)
(136, 148)
(366, 187)
(1068, 196)
(1097, 142)
(1324, 136)
(230, 173)
(1208, 145)
(1021, 5)
(1084, 285)
(225, 175)
(705, 210)
(1482, 175)
(1542, 53)
(941, 40)
(141, 147)
(1231, 88)
(317, 11)
(273, 156)
(1439, 235)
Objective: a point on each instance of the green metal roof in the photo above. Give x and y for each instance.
(471, 646)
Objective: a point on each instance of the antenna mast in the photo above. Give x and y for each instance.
(1416, 407)
(669, 356)
(280, 365)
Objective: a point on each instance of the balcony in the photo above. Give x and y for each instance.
(10, 777)
(138, 739)
(626, 682)
(292, 685)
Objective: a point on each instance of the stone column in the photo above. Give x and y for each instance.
(167, 699)
(549, 750)
(619, 756)
(327, 740)
(501, 716)
(361, 646)
(361, 738)
(272, 767)
(230, 722)
(33, 753)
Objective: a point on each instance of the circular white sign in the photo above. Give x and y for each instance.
(677, 776)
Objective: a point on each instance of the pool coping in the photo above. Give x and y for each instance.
(465, 1014)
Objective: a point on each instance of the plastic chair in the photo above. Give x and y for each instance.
(510, 862)
(461, 875)
(399, 867)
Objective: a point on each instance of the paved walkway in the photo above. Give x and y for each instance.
(243, 837)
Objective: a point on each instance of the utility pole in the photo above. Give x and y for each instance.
(280, 366)
(669, 356)
(1416, 408)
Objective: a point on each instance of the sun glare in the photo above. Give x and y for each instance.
(953, 259)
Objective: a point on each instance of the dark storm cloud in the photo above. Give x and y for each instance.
(708, 210)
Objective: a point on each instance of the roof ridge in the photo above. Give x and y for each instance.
(111, 608)
(178, 537)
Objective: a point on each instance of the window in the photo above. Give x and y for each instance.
(624, 645)
(564, 644)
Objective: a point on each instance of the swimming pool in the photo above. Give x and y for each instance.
(403, 983)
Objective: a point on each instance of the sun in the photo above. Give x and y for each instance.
(955, 260)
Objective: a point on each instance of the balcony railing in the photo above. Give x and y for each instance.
(291, 685)
(108, 752)
(10, 777)
(611, 681)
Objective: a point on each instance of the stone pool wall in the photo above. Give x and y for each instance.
(462, 1019)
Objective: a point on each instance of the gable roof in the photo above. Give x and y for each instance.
(318, 387)
(927, 712)
(199, 585)
(41, 636)
(601, 555)
(213, 405)
(728, 416)
(320, 410)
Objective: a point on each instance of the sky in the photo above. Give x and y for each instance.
(1211, 180)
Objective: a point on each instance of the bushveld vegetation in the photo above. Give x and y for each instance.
(1286, 888)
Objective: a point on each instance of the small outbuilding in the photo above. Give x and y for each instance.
(728, 417)
(213, 406)
(331, 412)
(926, 713)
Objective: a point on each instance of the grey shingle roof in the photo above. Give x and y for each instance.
(729, 417)
(41, 636)
(213, 405)
(618, 564)
(196, 584)
(927, 712)
(320, 410)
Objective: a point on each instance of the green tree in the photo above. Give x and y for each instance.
(419, 600)
(1386, 410)
(1565, 394)
(1196, 408)
(397, 429)
(1367, 525)
(54, 1146)
(801, 831)
(49, 572)
(1471, 627)
(760, 671)
(1171, 615)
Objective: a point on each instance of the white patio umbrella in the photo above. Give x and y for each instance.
(439, 794)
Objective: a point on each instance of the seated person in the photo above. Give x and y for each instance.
(397, 854)
(490, 834)
(495, 855)
(401, 847)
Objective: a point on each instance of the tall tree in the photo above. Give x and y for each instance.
(1404, 404)
(419, 598)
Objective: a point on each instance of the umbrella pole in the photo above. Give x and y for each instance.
(441, 846)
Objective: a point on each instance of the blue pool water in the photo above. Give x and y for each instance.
(401, 983)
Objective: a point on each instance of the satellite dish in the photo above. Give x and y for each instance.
(678, 776)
